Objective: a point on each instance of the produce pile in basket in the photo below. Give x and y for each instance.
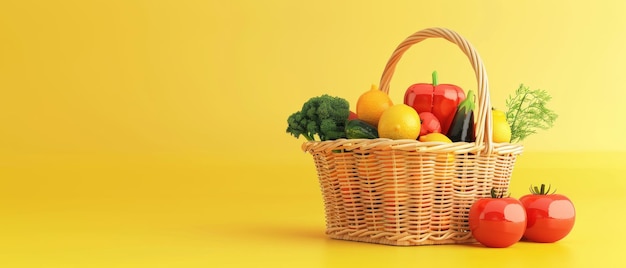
(430, 112)
(409, 172)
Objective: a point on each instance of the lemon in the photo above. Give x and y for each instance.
(435, 137)
(371, 105)
(501, 128)
(448, 158)
(399, 121)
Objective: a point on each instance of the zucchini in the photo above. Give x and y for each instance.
(359, 129)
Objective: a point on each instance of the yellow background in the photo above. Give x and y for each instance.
(152, 133)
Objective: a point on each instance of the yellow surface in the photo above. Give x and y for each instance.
(151, 133)
(166, 211)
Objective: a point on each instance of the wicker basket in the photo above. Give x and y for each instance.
(406, 192)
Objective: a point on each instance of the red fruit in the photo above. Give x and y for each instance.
(430, 123)
(497, 222)
(440, 99)
(352, 116)
(551, 217)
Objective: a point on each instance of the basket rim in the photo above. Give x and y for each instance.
(408, 145)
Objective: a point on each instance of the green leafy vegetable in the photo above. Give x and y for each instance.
(527, 112)
(324, 116)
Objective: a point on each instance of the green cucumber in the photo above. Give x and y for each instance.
(359, 129)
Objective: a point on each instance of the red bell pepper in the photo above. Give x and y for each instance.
(440, 99)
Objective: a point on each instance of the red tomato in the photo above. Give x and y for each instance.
(352, 115)
(430, 123)
(550, 216)
(497, 222)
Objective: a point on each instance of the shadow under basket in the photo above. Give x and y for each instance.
(407, 192)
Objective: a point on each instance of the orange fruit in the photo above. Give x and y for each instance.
(372, 104)
(442, 138)
(399, 121)
(435, 137)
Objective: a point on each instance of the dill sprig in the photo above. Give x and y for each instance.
(527, 112)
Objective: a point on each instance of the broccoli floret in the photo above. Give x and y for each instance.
(324, 116)
(331, 131)
(297, 126)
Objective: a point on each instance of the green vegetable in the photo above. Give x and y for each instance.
(527, 112)
(359, 129)
(324, 116)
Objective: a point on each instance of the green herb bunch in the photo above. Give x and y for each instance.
(527, 112)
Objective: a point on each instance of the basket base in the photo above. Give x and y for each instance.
(385, 241)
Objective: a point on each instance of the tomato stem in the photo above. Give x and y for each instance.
(495, 194)
(541, 191)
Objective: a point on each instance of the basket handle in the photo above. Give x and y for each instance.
(483, 114)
